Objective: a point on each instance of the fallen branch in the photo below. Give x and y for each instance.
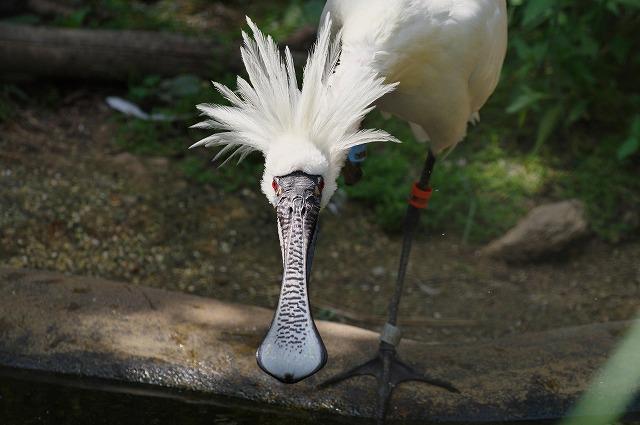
(48, 7)
(117, 55)
(106, 54)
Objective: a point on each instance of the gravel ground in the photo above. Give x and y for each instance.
(71, 201)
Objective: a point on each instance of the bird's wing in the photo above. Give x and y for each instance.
(446, 54)
(485, 76)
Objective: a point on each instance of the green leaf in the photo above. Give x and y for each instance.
(633, 4)
(577, 112)
(628, 148)
(632, 144)
(524, 101)
(547, 125)
(74, 20)
(182, 86)
(535, 10)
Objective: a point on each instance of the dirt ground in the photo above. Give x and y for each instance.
(72, 201)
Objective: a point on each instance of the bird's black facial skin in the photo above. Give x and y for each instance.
(292, 349)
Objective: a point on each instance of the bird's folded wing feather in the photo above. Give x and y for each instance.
(445, 53)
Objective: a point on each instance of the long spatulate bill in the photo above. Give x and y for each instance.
(292, 350)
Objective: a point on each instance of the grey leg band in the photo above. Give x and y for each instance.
(391, 334)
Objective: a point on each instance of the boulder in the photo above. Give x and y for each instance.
(545, 231)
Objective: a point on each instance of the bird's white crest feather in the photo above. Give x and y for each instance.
(306, 129)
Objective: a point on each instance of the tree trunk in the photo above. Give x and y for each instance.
(106, 54)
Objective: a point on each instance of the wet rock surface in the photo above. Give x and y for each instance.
(93, 328)
(545, 231)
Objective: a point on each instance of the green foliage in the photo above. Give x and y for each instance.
(173, 97)
(572, 63)
(176, 97)
(610, 192)
(480, 189)
(278, 17)
(149, 138)
(631, 146)
(120, 14)
(296, 14)
(597, 407)
(9, 96)
(75, 19)
(571, 71)
(230, 177)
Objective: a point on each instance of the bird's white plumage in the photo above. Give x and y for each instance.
(308, 129)
(445, 54)
(433, 63)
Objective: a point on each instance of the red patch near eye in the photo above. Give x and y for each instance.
(274, 185)
(321, 185)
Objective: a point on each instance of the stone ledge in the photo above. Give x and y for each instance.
(78, 326)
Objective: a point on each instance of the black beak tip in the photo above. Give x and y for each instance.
(296, 369)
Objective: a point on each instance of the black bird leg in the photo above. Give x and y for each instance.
(387, 367)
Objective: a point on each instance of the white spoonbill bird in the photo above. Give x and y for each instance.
(433, 63)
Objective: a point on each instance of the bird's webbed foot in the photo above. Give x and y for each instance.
(390, 371)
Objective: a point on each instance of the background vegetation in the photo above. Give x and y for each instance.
(564, 122)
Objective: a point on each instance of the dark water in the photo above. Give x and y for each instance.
(49, 400)
(28, 399)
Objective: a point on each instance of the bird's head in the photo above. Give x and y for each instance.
(295, 155)
(304, 135)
